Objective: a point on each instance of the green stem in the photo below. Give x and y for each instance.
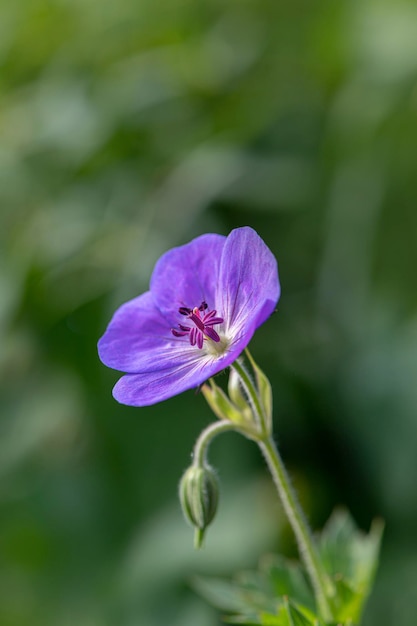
(204, 440)
(321, 584)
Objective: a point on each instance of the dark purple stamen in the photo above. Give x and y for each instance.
(203, 325)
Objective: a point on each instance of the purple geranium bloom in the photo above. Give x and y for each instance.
(206, 300)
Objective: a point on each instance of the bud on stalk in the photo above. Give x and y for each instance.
(199, 495)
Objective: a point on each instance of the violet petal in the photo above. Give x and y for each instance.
(248, 288)
(187, 276)
(138, 339)
(154, 386)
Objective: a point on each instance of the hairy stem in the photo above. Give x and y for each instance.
(321, 584)
(208, 434)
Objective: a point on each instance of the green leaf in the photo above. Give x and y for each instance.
(350, 557)
(300, 615)
(244, 620)
(261, 598)
(278, 594)
(348, 551)
(225, 595)
(291, 614)
(264, 390)
(252, 592)
(288, 579)
(279, 619)
(347, 603)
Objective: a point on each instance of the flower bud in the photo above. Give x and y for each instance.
(199, 495)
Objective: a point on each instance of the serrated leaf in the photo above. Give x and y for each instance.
(288, 579)
(278, 619)
(302, 615)
(350, 557)
(298, 615)
(278, 594)
(347, 551)
(347, 604)
(261, 591)
(224, 595)
(242, 620)
(290, 614)
(248, 595)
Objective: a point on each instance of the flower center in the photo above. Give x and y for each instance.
(201, 322)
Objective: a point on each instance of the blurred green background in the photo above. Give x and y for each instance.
(130, 127)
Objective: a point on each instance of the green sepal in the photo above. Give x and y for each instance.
(221, 405)
(264, 391)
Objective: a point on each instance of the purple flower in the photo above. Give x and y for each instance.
(206, 300)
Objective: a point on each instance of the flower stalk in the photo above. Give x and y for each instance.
(198, 489)
(259, 429)
(206, 437)
(322, 585)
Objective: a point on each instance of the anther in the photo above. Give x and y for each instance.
(203, 325)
